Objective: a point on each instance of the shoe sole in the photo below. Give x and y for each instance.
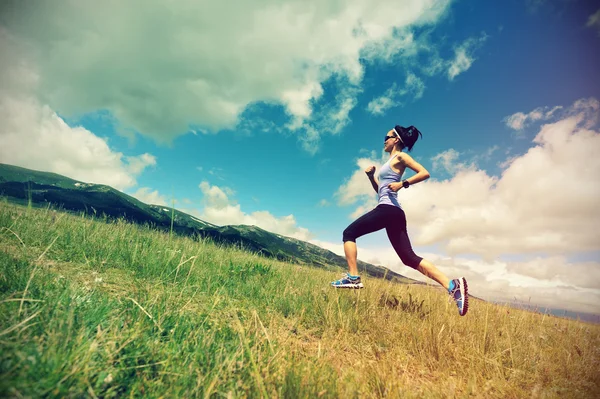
(355, 286)
(464, 291)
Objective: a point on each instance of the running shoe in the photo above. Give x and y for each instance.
(460, 293)
(347, 282)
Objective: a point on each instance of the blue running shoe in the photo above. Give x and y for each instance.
(459, 292)
(347, 282)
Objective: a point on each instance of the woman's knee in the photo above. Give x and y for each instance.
(411, 260)
(348, 235)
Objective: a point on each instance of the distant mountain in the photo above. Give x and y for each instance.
(22, 185)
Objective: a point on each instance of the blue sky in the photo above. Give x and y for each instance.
(266, 113)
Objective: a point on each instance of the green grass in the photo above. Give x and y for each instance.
(89, 308)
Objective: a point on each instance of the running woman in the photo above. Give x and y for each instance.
(389, 215)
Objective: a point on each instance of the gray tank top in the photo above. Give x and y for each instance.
(387, 176)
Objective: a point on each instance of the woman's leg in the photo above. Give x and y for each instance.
(398, 236)
(367, 223)
(351, 253)
(429, 269)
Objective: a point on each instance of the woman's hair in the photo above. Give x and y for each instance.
(408, 136)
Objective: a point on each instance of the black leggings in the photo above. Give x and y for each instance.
(394, 220)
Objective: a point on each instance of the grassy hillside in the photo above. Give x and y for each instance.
(40, 189)
(117, 310)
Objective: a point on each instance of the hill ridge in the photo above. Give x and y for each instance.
(22, 185)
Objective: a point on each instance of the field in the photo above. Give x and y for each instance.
(90, 308)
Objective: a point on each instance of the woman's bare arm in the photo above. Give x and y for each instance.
(421, 172)
(370, 171)
(407, 161)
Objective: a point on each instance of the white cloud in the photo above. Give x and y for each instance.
(517, 121)
(372, 154)
(435, 66)
(413, 86)
(543, 281)
(136, 165)
(413, 52)
(544, 201)
(219, 209)
(520, 120)
(461, 63)
(329, 118)
(33, 136)
(214, 196)
(463, 56)
(297, 100)
(148, 196)
(448, 161)
(401, 41)
(594, 21)
(560, 271)
(361, 210)
(196, 65)
(358, 187)
(388, 100)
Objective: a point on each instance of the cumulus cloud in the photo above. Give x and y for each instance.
(149, 196)
(221, 210)
(448, 161)
(544, 201)
(401, 42)
(215, 197)
(196, 65)
(413, 87)
(463, 56)
(520, 120)
(388, 100)
(559, 270)
(358, 187)
(137, 164)
(33, 136)
(543, 281)
(329, 118)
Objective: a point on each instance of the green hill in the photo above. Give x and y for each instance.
(25, 186)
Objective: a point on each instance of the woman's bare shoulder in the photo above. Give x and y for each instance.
(404, 158)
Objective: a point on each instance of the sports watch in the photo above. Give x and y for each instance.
(405, 183)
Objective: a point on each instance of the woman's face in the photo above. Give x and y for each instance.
(390, 140)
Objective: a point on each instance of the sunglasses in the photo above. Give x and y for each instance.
(388, 137)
